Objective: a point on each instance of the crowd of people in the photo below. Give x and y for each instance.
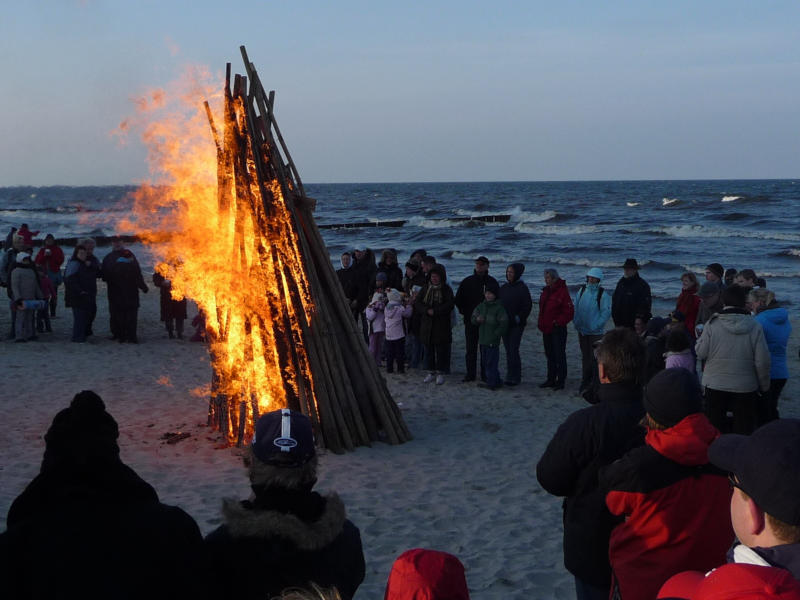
(89, 526)
(33, 279)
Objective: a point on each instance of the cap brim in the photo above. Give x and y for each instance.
(722, 452)
(681, 586)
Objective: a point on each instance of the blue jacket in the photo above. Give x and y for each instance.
(590, 320)
(775, 322)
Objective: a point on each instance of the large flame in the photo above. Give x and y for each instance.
(235, 256)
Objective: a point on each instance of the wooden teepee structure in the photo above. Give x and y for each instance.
(325, 368)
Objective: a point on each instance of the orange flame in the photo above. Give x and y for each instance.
(234, 257)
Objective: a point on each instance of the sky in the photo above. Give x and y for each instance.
(420, 91)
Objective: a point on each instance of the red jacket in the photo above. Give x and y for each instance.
(420, 574)
(689, 304)
(555, 306)
(677, 508)
(51, 262)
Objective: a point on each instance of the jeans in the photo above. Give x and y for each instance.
(490, 359)
(80, 323)
(416, 352)
(555, 349)
(511, 341)
(588, 361)
(471, 338)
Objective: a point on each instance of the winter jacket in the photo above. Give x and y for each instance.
(282, 539)
(785, 556)
(350, 280)
(689, 304)
(470, 294)
(124, 279)
(675, 504)
(393, 316)
(376, 317)
(394, 276)
(735, 353)
(51, 262)
(25, 283)
(516, 298)
(589, 439)
(169, 308)
(420, 574)
(27, 236)
(589, 318)
(47, 287)
(437, 328)
(777, 329)
(631, 297)
(683, 360)
(555, 306)
(109, 260)
(80, 283)
(98, 531)
(495, 324)
(364, 272)
(704, 312)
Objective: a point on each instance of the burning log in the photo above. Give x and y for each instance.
(293, 343)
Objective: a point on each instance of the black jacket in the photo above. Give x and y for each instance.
(80, 283)
(98, 532)
(394, 276)
(364, 271)
(589, 439)
(631, 297)
(516, 298)
(124, 282)
(470, 294)
(284, 539)
(437, 328)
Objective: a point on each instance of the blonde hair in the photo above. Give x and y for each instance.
(761, 296)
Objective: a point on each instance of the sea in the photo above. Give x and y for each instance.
(668, 226)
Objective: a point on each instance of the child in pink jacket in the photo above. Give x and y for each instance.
(375, 318)
(394, 316)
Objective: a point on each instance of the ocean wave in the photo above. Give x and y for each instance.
(790, 252)
(563, 229)
(470, 256)
(735, 216)
(426, 223)
(518, 215)
(670, 201)
(586, 262)
(632, 204)
(731, 198)
(700, 231)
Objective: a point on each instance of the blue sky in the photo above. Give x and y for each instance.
(421, 91)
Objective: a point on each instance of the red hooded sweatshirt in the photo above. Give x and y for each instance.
(420, 574)
(676, 508)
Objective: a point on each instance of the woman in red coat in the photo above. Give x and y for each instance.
(688, 301)
(555, 311)
(51, 257)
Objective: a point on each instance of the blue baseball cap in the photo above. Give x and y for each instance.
(284, 438)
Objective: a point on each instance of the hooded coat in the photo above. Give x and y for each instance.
(777, 329)
(52, 262)
(437, 328)
(25, 283)
(675, 504)
(631, 297)
(516, 298)
(735, 353)
(591, 316)
(284, 538)
(420, 574)
(555, 306)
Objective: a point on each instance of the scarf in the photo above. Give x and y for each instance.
(433, 295)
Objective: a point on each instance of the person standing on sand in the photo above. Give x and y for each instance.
(172, 312)
(491, 319)
(592, 312)
(24, 285)
(589, 439)
(469, 295)
(80, 291)
(631, 296)
(555, 312)
(516, 299)
(51, 257)
(93, 264)
(124, 282)
(106, 269)
(434, 304)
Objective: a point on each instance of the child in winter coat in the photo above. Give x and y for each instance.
(678, 353)
(394, 316)
(49, 292)
(377, 326)
(492, 320)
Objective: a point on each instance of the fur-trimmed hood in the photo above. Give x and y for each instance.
(246, 520)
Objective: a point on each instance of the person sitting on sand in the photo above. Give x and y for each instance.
(287, 534)
(589, 439)
(88, 526)
(428, 574)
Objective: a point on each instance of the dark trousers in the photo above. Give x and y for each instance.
(555, 349)
(768, 404)
(395, 351)
(13, 333)
(416, 351)
(587, 591)
(471, 337)
(90, 321)
(588, 361)
(490, 361)
(744, 407)
(115, 321)
(80, 323)
(511, 341)
(176, 324)
(43, 320)
(127, 320)
(437, 357)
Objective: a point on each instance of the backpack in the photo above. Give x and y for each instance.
(599, 294)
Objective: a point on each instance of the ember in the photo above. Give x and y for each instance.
(248, 251)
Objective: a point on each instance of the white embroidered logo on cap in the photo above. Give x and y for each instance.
(286, 442)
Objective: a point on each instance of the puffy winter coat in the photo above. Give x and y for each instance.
(470, 294)
(516, 298)
(420, 574)
(393, 316)
(555, 306)
(80, 282)
(283, 539)
(375, 316)
(25, 283)
(591, 319)
(689, 304)
(394, 276)
(495, 324)
(777, 329)
(631, 297)
(589, 439)
(52, 262)
(675, 504)
(735, 353)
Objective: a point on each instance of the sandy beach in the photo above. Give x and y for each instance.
(465, 484)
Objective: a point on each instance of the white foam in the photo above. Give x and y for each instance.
(699, 232)
(793, 252)
(586, 262)
(670, 201)
(493, 258)
(731, 198)
(632, 204)
(563, 229)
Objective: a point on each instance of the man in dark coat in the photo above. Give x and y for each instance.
(125, 279)
(287, 535)
(589, 439)
(631, 296)
(364, 270)
(349, 280)
(469, 296)
(106, 271)
(434, 303)
(516, 298)
(89, 527)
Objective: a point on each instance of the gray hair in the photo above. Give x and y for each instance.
(552, 272)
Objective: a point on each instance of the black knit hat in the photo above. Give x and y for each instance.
(671, 396)
(493, 286)
(82, 433)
